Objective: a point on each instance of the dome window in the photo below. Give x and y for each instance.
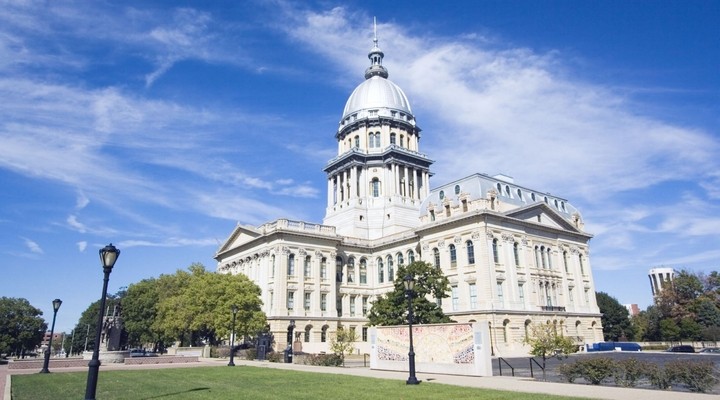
(402, 141)
(499, 188)
(519, 193)
(532, 196)
(457, 189)
(507, 190)
(442, 194)
(392, 138)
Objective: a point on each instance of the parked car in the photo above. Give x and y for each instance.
(681, 349)
(138, 353)
(710, 350)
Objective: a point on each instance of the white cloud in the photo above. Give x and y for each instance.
(33, 246)
(82, 245)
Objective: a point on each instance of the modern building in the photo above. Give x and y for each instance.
(514, 255)
(633, 309)
(659, 278)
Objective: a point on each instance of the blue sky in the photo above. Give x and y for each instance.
(158, 126)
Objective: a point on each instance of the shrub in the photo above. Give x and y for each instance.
(276, 356)
(569, 371)
(325, 360)
(629, 371)
(251, 354)
(697, 376)
(596, 369)
(658, 378)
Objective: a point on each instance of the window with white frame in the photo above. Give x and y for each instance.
(436, 257)
(306, 303)
(521, 292)
(364, 305)
(496, 253)
(411, 256)
(381, 270)
(516, 253)
(473, 296)
(323, 268)
(391, 269)
(455, 299)
(306, 267)
(470, 251)
(351, 270)
(291, 265)
(500, 294)
(352, 306)
(323, 302)
(290, 300)
(363, 271)
(453, 256)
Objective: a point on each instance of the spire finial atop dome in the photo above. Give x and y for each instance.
(376, 55)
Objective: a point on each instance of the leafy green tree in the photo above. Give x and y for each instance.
(690, 329)
(669, 330)
(21, 326)
(392, 307)
(140, 313)
(198, 307)
(343, 342)
(615, 317)
(545, 342)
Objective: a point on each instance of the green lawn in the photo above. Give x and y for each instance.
(241, 382)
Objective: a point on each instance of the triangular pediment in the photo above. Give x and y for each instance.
(541, 213)
(240, 235)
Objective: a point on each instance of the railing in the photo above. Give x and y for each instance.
(502, 360)
(552, 308)
(532, 360)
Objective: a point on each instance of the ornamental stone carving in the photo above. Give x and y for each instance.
(318, 254)
(524, 241)
(506, 237)
(441, 244)
(475, 235)
(302, 252)
(458, 239)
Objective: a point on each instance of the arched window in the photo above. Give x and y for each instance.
(470, 251)
(442, 194)
(351, 270)
(291, 265)
(496, 254)
(499, 188)
(377, 139)
(516, 253)
(436, 257)
(507, 190)
(391, 269)
(549, 258)
(323, 334)
(457, 189)
(582, 267)
(402, 141)
(307, 333)
(400, 259)
(565, 261)
(392, 138)
(537, 257)
(542, 257)
(272, 265)
(519, 193)
(453, 255)
(371, 140)
(411, 256)
(375, 187)
(338, 269)
(363, 271)
(381, 270)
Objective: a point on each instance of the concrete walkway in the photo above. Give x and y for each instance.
(496, 382)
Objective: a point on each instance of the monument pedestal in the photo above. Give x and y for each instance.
(108, 357)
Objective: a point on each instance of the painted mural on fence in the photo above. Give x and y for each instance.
(448, 344)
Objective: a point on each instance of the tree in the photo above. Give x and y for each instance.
(198, 306)
(615, 317)
(21, 326)
(669, 330)
(343, 343)
(87, 324)
(545, 342)
(140, 313)
(391, 308)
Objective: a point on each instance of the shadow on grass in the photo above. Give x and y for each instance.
(176, 393)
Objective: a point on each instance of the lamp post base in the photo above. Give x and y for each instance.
(412, 381)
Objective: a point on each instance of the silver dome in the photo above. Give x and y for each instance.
(377, 93)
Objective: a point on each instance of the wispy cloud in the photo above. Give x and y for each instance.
(33, 246)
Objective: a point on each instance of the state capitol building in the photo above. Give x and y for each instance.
(515, 256)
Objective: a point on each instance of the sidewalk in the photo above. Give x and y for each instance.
(496, 382)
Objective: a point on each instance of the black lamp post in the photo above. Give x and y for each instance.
(289, 350)
(46, 363)
(232, 337)
(409, 289)
(108, 255)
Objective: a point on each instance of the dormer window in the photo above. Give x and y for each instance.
(442, 194)
(373, 113)
(457, 189)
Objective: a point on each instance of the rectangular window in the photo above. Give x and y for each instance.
(323, 302)
(306, 267)
(364, 333)
(291, 265)
(352, 306)
(521, 292)
(473, 296)
(307, 301)
(323, 269)
(455, 299)
(364, 305)
(587, 296)
(290, 300)
(571, 300)
(338, 306)
(272, 298)
(500, 291)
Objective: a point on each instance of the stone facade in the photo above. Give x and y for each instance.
(514, 256)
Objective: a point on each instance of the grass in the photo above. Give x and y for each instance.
(242, 382)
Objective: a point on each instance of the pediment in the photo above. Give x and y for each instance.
(541, 213)
(239, 236)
